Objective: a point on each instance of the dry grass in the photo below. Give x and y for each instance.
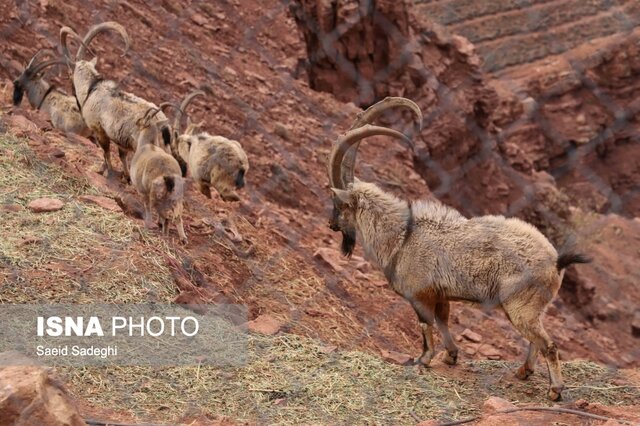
(83, 254)
(584, 380)
(289, 380)
(80, 254)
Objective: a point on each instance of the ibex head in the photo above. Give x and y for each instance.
(33, 72)
(229, 169)
(342, 162)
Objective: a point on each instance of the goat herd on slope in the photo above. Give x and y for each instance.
(159, 164)
(429, 252)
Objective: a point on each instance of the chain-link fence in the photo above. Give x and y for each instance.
(518, 132)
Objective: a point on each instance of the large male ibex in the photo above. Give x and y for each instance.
(110, 113)
(431, 254)
(62, 108)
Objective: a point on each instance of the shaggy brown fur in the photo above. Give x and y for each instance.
(210, 160)
(61, 108)
(431, 254)
(214, 161)
(112, 114)
(157, 178)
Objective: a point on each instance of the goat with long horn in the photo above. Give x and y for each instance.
(109, 112)
(431, 254)
(42, 95)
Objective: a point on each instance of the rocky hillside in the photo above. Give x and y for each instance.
(509, 34)
(480, 151)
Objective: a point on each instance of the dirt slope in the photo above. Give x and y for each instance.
(261, 251)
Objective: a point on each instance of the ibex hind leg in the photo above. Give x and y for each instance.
(442, 324)
(526, 317)
(528, 368)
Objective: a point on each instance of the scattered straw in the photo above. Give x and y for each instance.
(289, 380)
(80, 254)
(85, 254)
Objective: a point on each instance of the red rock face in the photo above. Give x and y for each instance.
(584, 127)
(392, 51)
(286, 129)
(29, 395)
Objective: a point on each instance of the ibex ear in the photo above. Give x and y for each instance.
(342, 195)
(94, 61)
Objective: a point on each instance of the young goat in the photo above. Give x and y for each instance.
(62, 109)
(211, 160)
(156, 176)
(110, 113)
(431, 254)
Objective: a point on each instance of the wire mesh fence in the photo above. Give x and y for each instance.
(386, 53)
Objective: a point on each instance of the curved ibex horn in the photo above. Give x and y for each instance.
(66, 32)
(348, 140)
(166, 105)
(99, 28)
(346, 166)
(376, 110)
(37, 56)
(183, 108)
(42, 65)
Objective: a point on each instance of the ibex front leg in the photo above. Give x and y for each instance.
(147, 213)
(442, 323)
(122, 153)
(105, 143)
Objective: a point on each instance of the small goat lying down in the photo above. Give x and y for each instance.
(431, 254)
(211, 160)
(156, 176)
(62, 109)
(110, 113)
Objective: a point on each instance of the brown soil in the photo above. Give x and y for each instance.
(247, 53)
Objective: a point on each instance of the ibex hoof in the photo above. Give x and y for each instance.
(450, 359)
(418, 363)
(523, 373)
(230, 198)
(424, 360)
(555, 394)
